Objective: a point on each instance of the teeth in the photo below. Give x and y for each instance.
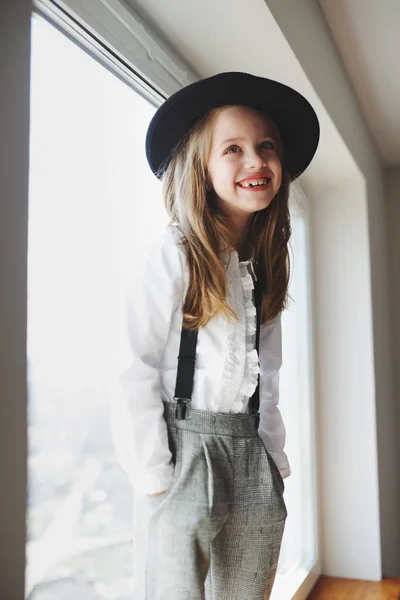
(256, 183)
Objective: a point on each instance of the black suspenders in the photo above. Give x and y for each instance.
(186, 366)
(254, 402)
(185, 374)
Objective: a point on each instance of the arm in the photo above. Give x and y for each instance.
(271, 429)
(141, 436)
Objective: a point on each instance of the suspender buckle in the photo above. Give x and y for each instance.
(181, 407)
(256, 416)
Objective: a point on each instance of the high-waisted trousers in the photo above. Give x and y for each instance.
(216, 533)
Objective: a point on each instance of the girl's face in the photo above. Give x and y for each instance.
(243, 165)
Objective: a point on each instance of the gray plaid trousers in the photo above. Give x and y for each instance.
(216, 533)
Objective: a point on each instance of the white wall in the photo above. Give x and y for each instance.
(14, 147)
(345, 384)
(303, 25)
(392, 516)
(392, 178)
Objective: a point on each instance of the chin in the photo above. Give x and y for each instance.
(260, 206)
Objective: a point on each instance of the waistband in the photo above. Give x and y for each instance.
(203, 421)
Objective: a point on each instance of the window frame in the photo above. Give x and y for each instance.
(115, 35)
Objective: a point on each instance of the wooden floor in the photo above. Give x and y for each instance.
(331, 588)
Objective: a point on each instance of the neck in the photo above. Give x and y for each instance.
(239, 238)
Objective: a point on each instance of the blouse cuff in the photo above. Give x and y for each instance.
(285, 472)
(155, 481)
(282, 463)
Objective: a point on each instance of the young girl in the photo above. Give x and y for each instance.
(206, 436)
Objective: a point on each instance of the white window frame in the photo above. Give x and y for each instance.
(116, 36)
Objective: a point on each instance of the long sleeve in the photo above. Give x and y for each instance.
(141, 439)
(271, 429)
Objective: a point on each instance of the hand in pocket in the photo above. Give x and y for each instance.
(158, 493)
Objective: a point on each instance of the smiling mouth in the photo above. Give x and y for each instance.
(255, 183)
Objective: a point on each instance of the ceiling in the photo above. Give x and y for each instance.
(367, 35)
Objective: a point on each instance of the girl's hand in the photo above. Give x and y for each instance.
(158, 493)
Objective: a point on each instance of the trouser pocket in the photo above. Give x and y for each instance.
(276, 474)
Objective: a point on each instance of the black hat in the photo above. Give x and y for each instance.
(293, 115)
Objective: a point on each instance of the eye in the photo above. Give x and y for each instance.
(233, 149)
(268, 145)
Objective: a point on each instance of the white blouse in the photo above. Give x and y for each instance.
(226, 368)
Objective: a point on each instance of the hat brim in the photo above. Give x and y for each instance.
(293, 115)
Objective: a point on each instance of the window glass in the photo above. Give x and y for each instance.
(93, 204)
(298, 551)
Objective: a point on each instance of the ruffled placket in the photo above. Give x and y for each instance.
(242, 366)
(252, 365)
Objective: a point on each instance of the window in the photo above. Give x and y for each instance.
(92, 198)
(93, 206)
(299, 546)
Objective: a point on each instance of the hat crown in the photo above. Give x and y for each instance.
(293, 115)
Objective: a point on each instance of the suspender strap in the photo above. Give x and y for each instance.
(254, 402)
(185, 374)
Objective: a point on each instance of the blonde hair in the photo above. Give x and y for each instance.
(206, 231)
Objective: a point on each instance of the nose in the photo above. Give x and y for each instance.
(254, 159)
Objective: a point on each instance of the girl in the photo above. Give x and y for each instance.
(206, 436)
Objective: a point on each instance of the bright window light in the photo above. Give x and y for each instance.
(94, 206)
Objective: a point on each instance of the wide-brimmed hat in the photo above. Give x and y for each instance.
(293, 115)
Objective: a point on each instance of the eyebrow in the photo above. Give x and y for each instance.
(240, 138)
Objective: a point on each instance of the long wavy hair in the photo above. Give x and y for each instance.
(189, 201)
